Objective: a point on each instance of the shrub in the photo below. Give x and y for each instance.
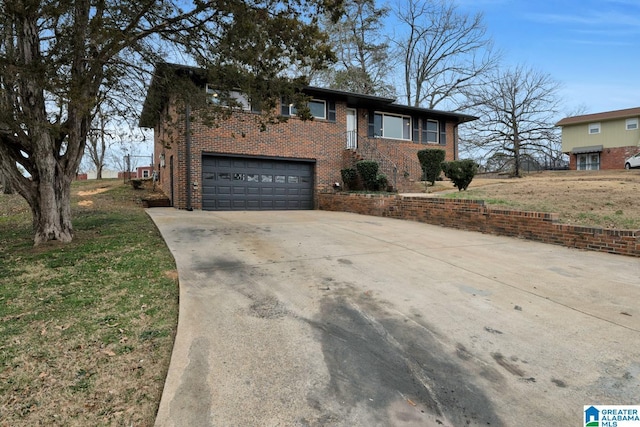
(136, 183)
(460, 172)
(382, 183)
(368, 171)
(349, 178)
(431, 161)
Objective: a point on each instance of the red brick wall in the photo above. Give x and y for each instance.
(169, 141)
(319, 140)
(610, 158)
(473, 215)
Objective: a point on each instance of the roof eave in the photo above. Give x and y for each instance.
(157, 97)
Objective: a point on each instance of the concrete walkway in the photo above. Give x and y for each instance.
(314, 318)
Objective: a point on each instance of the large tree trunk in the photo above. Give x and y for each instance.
(5, 184)
(49, 196)
(52, 210)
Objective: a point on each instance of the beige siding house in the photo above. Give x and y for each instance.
(601, 140)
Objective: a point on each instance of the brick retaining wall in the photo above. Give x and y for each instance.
(473, 215)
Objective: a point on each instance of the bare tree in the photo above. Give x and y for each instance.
(444, 52)
(362, 52)
(59, 59)
(96, 149)
(518, 110)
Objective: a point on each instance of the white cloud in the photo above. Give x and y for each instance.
(593, 18)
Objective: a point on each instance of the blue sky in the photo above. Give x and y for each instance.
(591, 46)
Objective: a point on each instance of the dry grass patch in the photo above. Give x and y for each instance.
(608, 199)
(88, 326)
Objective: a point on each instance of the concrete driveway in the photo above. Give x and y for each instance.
(314, 318)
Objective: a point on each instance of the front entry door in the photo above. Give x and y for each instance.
(352, 129)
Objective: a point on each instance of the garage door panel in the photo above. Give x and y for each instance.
(239, 204)
(222, 205)
(239, 191)
(256, 184)
(224, 190)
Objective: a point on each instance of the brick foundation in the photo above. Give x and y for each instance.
(473, 215)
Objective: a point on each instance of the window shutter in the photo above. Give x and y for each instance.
(372, 126)
(331, 111)
(416, 129)
(443, 132)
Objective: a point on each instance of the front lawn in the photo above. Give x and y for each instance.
(87, 328)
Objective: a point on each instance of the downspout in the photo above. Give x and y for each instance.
(187, 126)
(455, 140)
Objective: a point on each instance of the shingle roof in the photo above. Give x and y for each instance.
(609, 115)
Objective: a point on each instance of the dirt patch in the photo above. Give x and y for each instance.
(172, 274)
(93, 192)
(607, 199)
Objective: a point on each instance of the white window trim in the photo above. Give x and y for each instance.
(397, 116)
(631, 124)
(324, 109)
(293, 110)
(594, 128)
(240, 98)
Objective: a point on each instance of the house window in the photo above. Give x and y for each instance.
(429, 132)
(317, 107)
(632, 124)
(145, 173)
(588, 162)
(232, 98)
(391, 126)
(594, 128)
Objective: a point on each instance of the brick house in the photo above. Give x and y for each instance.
(601, 140)
(144, 172)
(236, 165)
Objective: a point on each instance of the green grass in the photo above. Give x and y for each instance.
(87, 327)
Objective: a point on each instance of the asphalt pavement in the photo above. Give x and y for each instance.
(315, 318)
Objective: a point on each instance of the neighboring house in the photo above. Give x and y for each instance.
(144, 172)
(236, 165)
(141, 172)
(602, 140)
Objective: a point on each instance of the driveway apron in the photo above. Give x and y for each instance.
(314, 318)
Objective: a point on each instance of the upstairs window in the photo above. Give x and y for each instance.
(631, 124)
(232, 98)
(319, 109)
(594, 128)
